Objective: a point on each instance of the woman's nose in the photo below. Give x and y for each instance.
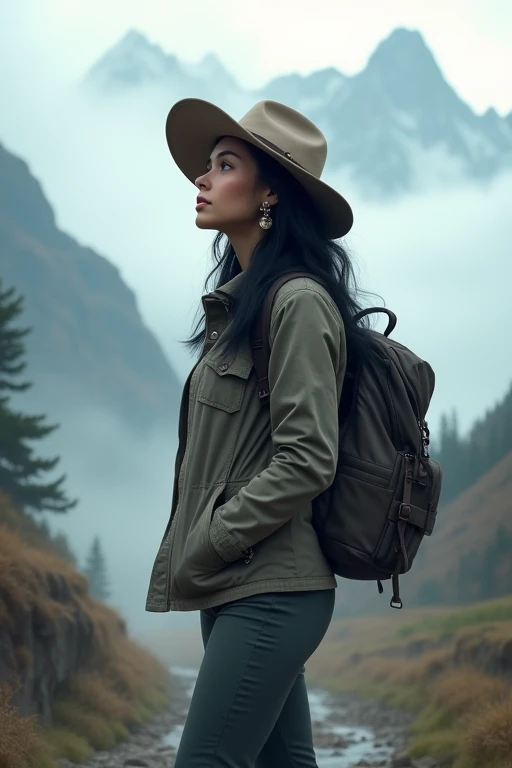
(201, 182)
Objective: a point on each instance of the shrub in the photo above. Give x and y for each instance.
(21, 744)
(488, 740)
(62, 743)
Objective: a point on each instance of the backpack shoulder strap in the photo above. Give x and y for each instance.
(260, 344)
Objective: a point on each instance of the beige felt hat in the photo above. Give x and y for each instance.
(194, 126)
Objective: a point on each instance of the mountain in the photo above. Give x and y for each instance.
(306, 93)
(89, 345)
(466, 558)
(396, 126)
(469, 556)
(468, 457)
(388, 120)
(135, 63)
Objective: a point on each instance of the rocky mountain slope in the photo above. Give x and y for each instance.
(89, 345)
(396, 126)
(471, 546)
(467, 558)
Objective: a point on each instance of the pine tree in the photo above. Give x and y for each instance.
(96, 571)
(20, 469)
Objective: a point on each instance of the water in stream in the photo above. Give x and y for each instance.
(362, 740)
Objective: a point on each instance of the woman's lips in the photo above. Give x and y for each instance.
(201, 205)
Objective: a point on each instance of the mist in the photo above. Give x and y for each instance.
(439, 258)
(124, 489)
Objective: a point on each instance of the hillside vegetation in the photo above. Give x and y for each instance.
(469, 555)
(71, 680)
(467, 458)
(452, 667)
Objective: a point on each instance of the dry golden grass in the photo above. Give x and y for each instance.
(464, 714)
(24, 578)
(20, 739)
(125, 687)
(94, 693)
(464, 689)
(488, 740)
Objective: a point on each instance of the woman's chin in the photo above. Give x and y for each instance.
(204, 222)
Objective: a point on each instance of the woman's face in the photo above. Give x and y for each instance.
(231, 189)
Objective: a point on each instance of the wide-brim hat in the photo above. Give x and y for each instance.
(194, 126)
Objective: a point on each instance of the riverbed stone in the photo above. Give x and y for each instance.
(386, 746)
(402, 761)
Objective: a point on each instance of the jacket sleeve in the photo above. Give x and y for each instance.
(307, 349)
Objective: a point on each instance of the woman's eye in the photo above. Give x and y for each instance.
(224, 164)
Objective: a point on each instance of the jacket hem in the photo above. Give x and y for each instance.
(301, 584)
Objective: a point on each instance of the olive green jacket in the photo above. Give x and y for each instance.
(246, 475)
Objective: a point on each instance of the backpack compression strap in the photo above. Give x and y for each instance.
(260, 343)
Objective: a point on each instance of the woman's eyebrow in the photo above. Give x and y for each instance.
(223, 154)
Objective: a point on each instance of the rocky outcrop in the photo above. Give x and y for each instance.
(486, 654)
(40, 652)
(54, 637)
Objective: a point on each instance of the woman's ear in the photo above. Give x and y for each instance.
(272, 197)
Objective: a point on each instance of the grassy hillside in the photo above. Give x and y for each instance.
(452, 667)
(467, 559)
(111, 682)
(469, 555)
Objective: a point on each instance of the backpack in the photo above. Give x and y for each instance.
(383, 500)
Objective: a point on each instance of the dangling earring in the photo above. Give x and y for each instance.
(265, 221)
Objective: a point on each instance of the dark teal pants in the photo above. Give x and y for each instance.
(250, 707)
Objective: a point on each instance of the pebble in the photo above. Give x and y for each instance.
(144, 749)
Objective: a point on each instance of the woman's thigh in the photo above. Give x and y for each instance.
(255, 650)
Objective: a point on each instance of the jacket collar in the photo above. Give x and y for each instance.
(228, 288)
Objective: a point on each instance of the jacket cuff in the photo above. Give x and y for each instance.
(222, 542)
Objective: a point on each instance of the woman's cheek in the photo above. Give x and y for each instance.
(235, 190)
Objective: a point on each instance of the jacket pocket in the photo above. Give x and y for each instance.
(223, 384)
(197, 560)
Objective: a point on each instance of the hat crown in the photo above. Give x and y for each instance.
(291, 133)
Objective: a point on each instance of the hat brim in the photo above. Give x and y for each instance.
(194, 126)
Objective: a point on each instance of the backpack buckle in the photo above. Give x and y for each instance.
(404, 512)
(263, 391)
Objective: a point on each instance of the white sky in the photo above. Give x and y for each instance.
(471, 39)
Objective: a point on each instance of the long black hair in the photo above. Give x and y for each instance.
(296, 241)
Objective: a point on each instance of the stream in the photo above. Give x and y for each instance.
(345, 733)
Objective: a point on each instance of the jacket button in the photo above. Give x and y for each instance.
(223, 367)
(214, 335)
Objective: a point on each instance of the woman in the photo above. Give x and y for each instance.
(240, 545)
